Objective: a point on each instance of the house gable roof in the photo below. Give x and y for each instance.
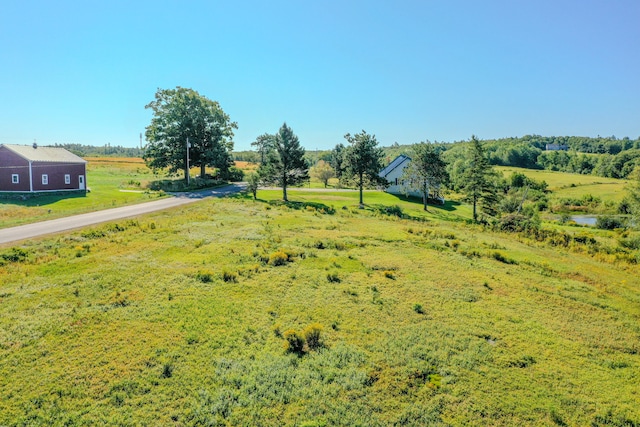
(44, 154)
(394, 164)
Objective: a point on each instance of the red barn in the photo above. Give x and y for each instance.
(33, 169)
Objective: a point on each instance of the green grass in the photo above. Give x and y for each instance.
(564, 185)
(426, 321)
(560, 180)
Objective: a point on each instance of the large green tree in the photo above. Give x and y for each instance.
(284, 164)
(478, 181)
(426, 172)
(185, 120)
(363, 161)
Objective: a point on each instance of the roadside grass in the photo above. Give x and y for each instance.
(422, 321)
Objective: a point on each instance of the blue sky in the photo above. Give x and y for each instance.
(406, 71)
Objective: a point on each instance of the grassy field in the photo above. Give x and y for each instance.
(572, 185)
(181, 318)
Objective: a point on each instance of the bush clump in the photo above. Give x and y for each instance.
(498, 256)
(294, 342)
(333, 278)
(302, 342)
(204, 276)
(278, 258)
(312, 335)
(630, 242)
(14, 255)
(606, 222)
(229, 276)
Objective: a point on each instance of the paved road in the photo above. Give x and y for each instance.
(37, 229)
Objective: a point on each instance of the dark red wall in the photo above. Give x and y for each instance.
(11, 163)
(56, 173)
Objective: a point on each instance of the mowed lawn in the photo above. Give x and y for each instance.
(180, 318)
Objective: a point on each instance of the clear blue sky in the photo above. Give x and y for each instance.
(406, 71)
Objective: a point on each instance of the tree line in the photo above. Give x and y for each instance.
(188, 130)
(107, 150)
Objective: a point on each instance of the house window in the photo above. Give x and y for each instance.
(67, 179)
(15, 178)
(45, 179)
(396, 181)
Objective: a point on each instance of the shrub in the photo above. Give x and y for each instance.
(312, 335)
(204, 276)
(606, 222)
(499, 257)
(167, 370)
(418, 308)
(389, 275)
(278, 258)
(234, 174)
(630, 243)
(229, 276)
(294, 342)
(333, 278)
(394, 210)
(516, 222)
(14, 255)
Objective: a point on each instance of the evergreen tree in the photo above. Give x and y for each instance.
(478, 180)
(284, 163)
(363, 160)
(263, 144)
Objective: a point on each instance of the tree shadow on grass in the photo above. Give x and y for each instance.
(448, 206)
(299, 206)
(32, 200)
(309, 206)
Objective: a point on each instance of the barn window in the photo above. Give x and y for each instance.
(15, 178)
(45, 179)
(67, 179)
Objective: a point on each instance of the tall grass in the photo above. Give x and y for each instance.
(416, 331)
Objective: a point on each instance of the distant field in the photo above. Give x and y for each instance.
(180, 318)
(574, 185)
(246, 166)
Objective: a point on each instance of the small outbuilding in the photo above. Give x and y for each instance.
(34, 169)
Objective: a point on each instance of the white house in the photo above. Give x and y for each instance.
(393, 174)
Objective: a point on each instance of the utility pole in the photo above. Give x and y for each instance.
(188, 174)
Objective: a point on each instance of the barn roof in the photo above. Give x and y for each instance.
(35, 153)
